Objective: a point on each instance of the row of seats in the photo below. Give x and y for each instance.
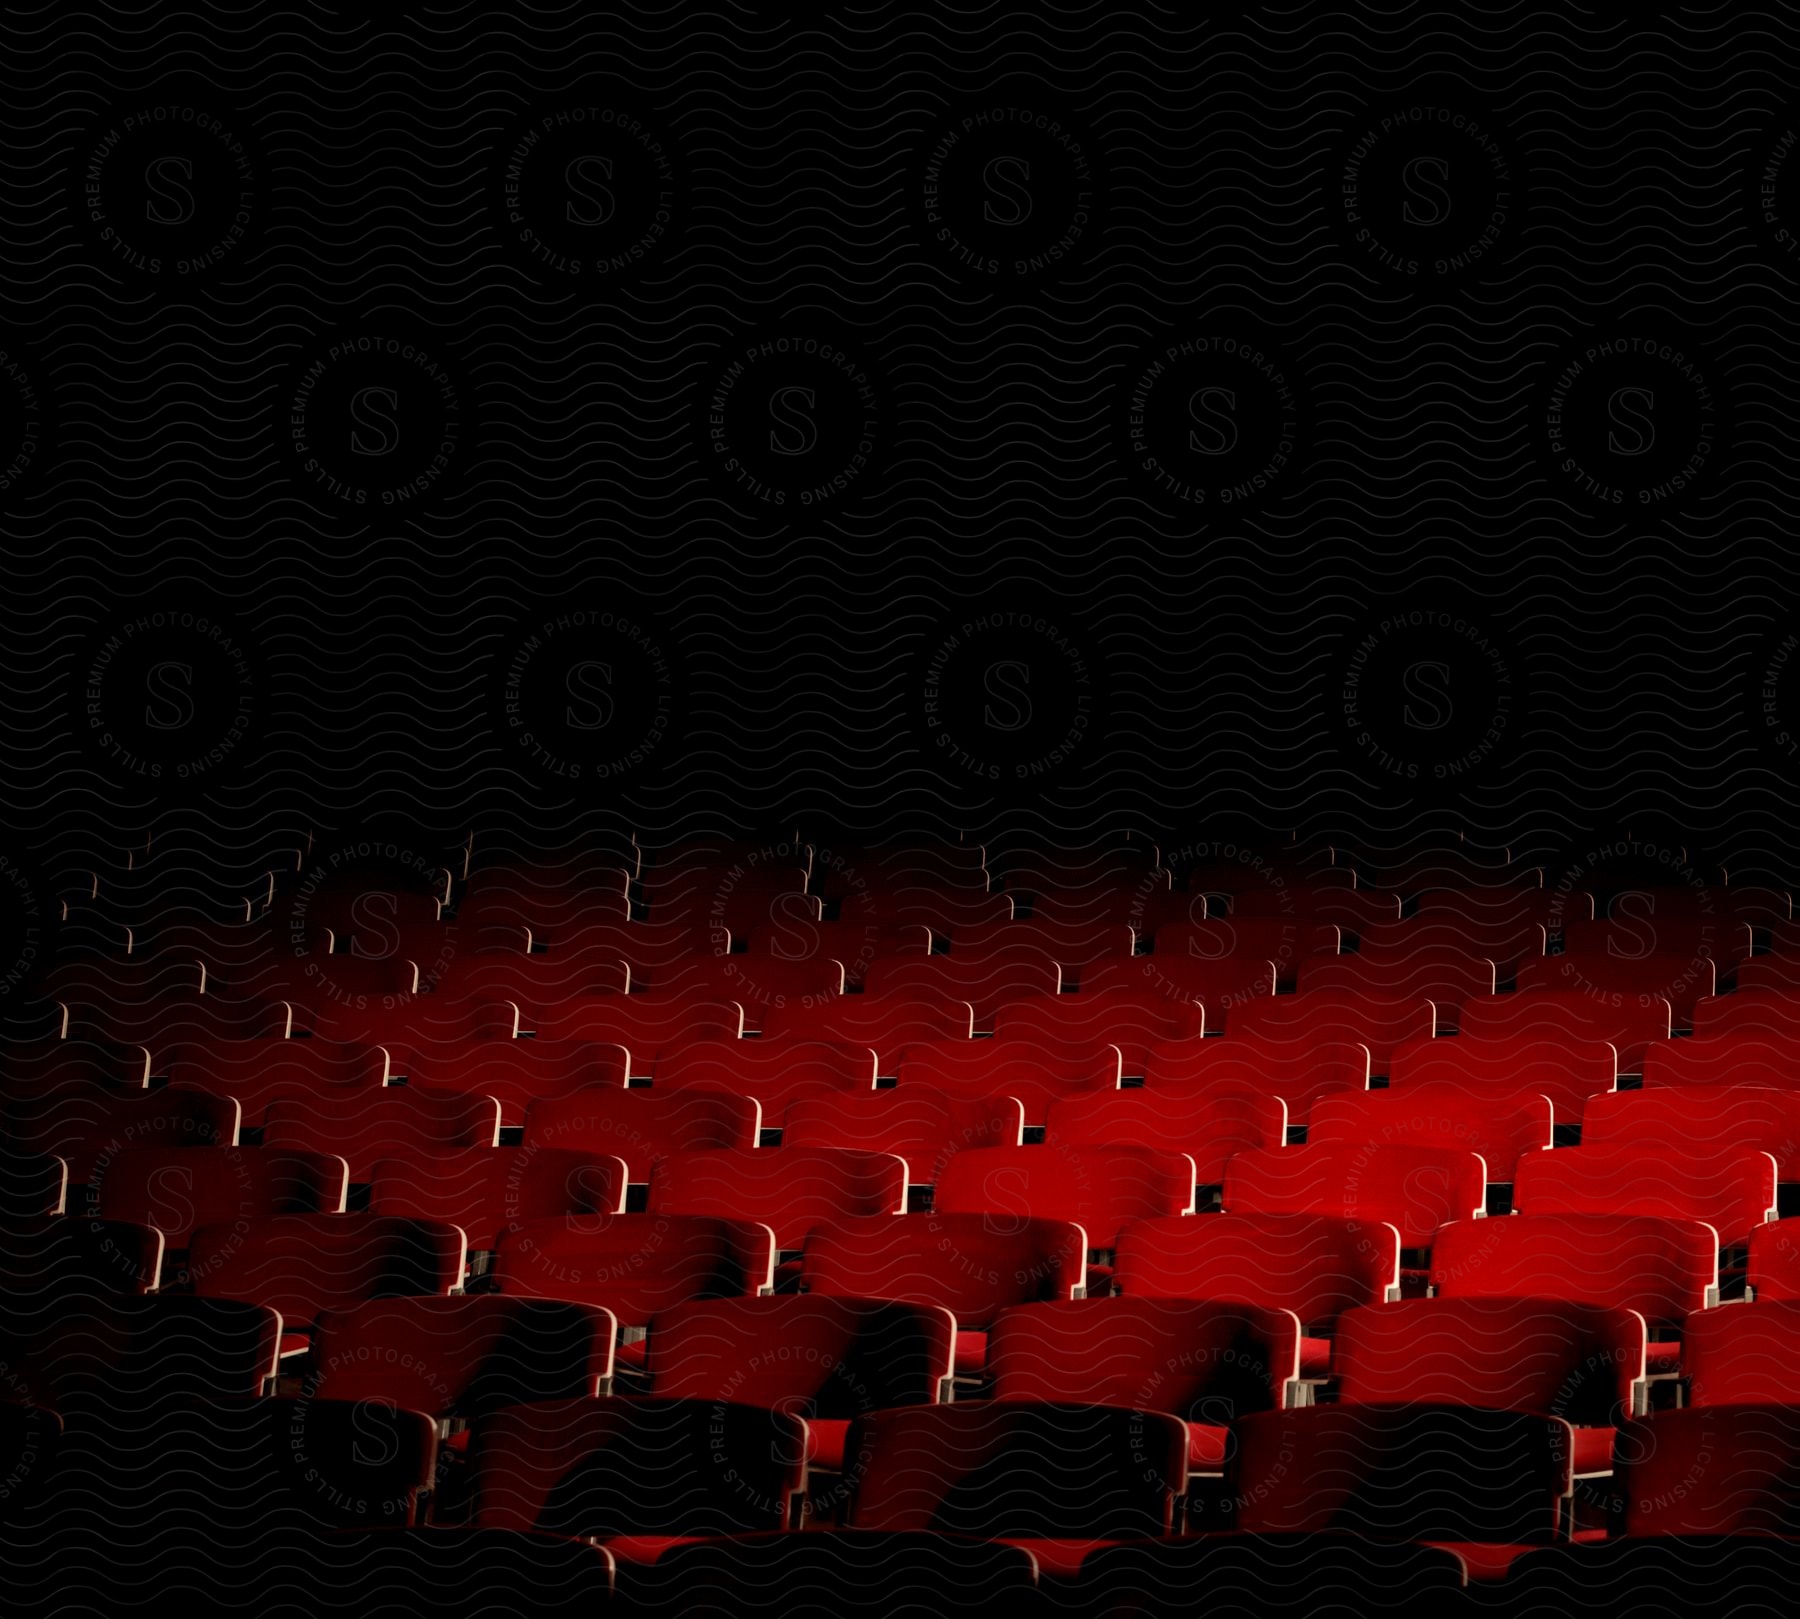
(1212, 1099)
(573, 1166)
(1315, 1264)
(414, 1028)
(641, 1475)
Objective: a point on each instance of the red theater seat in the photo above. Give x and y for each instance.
(536, 982)
(648, 1026)
(1762, 1014)
(1506, 924)
(236, 1471)
(382, 1122)
(971, 1264)
(1098, 1188)
(34, 1068)
(1666, 1270)
(1282, 941)
(1732, 1190)
(1413, 1189)
(1034, 1072)
(52, 1261)
(517, 1073)
(1680, 980)
(1350, 910)
(1204, 1362)
(256, 1073)
(180, 1189)
(1076, 936)
(791, 1190)
(1128, 1019)
(462, 1357)
(921, 1126)
(1712, 1470)
(1720, 1059)
(635, 1264)
(1499, 1068)
(1629, 1026)
(122, 1353)
(1445, 976)
(1581, 1362)
(754, 982)
(1297, 1069)
(1700, 1120)
(822, 1358)
(1774, 1272)
(888, 1023)
(406, 1025)
(1055, 1478)
(89, 1130)
(1208, 1125)
(637, 1473)
(1377, 1022)
(302, 1265)
(643, 1127)
(1743, 1355)
(1314, 1265)
(1780, 974)
(777, 1073)
(1217, 984)
(1480, 1482)
(988, 981)
(943, 913)
(1437, 1115)
(487, 1191)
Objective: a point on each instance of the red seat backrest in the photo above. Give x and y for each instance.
(1731, 1189)
(810, 1353)
(1413, 1189)
(489, 1190)
(1437, 1115)
(1097, 1188)
(1198, 1360)
(301, 1264)
(179, 1189)
(969, 1263)
(635, 1264)
(1378, 1022)
(1663, 1268)
(1506, 1065)
(1629, 1026)
(791, 1190)
(643, 1125)
(1743, 1356)
(1316, 1265)
(1581, 1362)
(1297, 1069)
(920, 1125)
(1209, 1125)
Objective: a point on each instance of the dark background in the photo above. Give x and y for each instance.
(993, 618)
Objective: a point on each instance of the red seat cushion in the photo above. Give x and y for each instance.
(1061, 1559)
(825, 1442)
(1207, 1446)
(1662, 1360)
(644, 1548)
(1593, 1450)
(1486, 1560)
